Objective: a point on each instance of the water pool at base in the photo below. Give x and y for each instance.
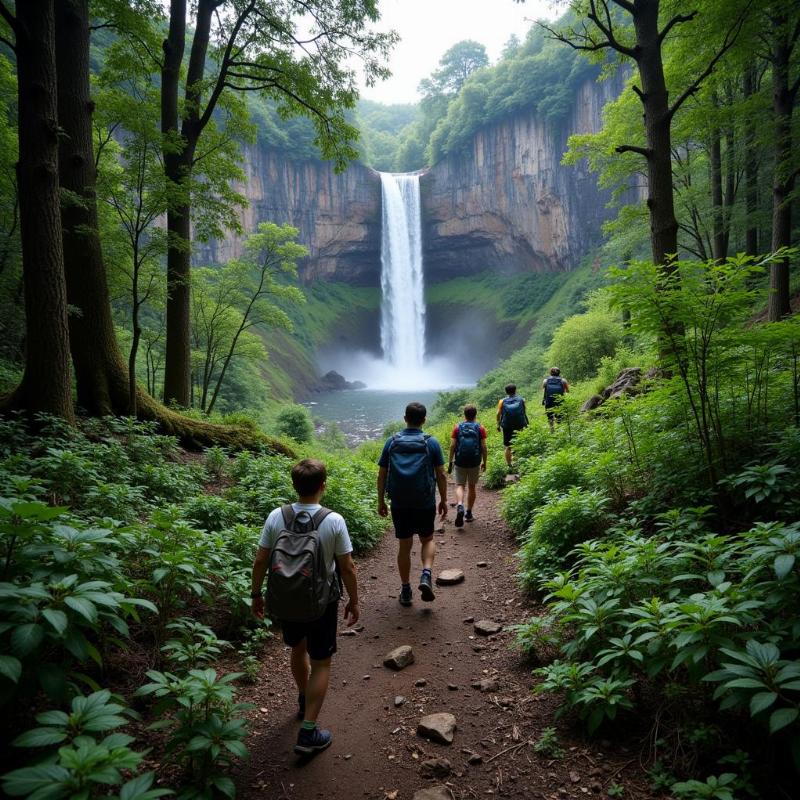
(362, 414)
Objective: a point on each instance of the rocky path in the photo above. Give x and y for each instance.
(374, 711)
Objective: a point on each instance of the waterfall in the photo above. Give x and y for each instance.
(403, 302)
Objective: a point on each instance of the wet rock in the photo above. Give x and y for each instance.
(475, 758)
(439, 727)
(452, 687)
(487, 627)
(435, 768)
(449, 577)
(433, 793)
(468, 619)
(482, 564)
(399, 658)
(509, 479)
(399, 700)
(420, 682)
(486, 685)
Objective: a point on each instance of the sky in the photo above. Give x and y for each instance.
(428, 28)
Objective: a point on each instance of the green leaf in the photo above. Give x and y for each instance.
(781, 718)
(783, 565)
(40, 737)
(26, 781)
(26, 638)
(58, 619)
(225, 785)
(86, 608)
(10, 668)
(761, 701)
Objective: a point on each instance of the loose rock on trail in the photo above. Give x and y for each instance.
(376, 751)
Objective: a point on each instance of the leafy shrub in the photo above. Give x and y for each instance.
(556, 528)
(496, 471)
(212, 513)
(295, 422)
(581, 341)
(555, 473)
(216, 459)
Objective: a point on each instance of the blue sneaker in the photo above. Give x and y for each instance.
(310, 742)
(426, 587)
(405, 596)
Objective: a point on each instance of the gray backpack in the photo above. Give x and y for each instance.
(300, 586)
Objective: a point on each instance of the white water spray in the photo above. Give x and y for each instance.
(403, 303)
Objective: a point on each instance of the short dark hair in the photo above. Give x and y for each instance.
(416, 413)
(308, 476)
(470, 412)
(555, 371)
(511, 388)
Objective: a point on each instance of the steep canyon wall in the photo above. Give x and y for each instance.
(505, 203)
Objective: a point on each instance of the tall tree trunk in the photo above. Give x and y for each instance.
(783, 175)
(657, 122)
(46, 383)
(178, 170)
(97, 359)
(177, 355)
(750, 168)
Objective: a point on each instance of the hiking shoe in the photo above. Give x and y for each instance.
(460, 516)
(301, 707)
(405, 596)
(468, 516)
(310, 742)
(426, 587)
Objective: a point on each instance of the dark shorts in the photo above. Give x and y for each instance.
(508, 434)
(408, 521)
(320, 635)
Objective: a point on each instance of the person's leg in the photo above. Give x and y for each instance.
(300, 666)
(404, 559)
(459, 494)
(317, 687)
(508, 455)
(551, 421)
(428, 552)
(471, 493)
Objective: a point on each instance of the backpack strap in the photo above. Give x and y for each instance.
(318, 517)
(289, 516)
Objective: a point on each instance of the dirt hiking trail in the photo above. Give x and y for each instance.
(376, 752)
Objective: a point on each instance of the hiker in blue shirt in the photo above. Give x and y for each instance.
(410, 468)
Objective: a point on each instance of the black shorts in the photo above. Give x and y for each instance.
(320, 634)
(408, 521)
(508, 434)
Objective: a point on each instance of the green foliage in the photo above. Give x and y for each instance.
(564, 521)
(582, 341)
(295, 422)
(548, 745)
(496, 470)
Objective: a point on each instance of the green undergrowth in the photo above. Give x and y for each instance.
(117, 547)
(662, 533)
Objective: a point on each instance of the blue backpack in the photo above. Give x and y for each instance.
(513, 417)
(468, 445)
(553, 391)
(410, 481)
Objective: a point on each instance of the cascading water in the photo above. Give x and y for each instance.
(403, 303)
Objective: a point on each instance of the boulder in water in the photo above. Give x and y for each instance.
(332, 381)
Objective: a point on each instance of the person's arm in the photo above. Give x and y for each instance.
(383, 510)
(260, 566)
(347, 569)
(499, 412)
(566, 385)
(452, 455)
(484, 455)
(441, 482)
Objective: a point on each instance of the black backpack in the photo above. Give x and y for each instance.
(300, 585)
(468, 445)
(513, 416)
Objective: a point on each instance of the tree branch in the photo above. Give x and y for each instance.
(8, 17)
(730, 37)
(632, 148)
(676, 20)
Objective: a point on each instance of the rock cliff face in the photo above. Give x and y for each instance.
(505, 203)
(509, 204)
(338, 216)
